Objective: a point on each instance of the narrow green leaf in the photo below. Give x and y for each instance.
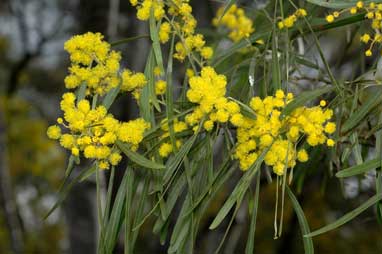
(347, 217)
(81, 92)
(154, 35)
(227, 5)
(303, 98)
(304, 227)
(359, 115)
(174, 162)
(148, 97)
(339, 4)
(110, 97)
(169, 96)
(245, 109)
(275, 65)
(70, 166)
(88, 173)
(128, 244)
(137, 158)
(240, 188)
(359, 169)
(126, 40)
(249, 249)
(116, 218)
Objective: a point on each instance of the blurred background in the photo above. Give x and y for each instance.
(33, 65)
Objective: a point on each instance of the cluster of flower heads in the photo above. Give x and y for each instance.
(94, 64)
(166, 148)
(281, 135)
(94, 132)
(91, 131)
(239, 25)
(133, 82)
(289, 21)
(372, 12)
(178, 19)
(208, 91)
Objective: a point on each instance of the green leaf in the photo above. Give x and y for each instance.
(303, 98)
(110, 97)
(174, 162)
(359, 169)
(249, 249)
(70, 166)
(128, 213)
(126, 40)
(276, 72)
(239, 190)
(137, 158)
(148, 97)
(81, 92)
(115, 222)
(227, 5)
(154, 35)
(359, 115)
(88, 173)
(347, 217)
(245, 109)
(339, 4)
(169, 96)
(308, 242)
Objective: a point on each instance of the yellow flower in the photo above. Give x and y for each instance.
(165, 149)
(206, 52)
(330, 127)
(164, 32)
(54, 132)
(281, 135)
(302, 155)
(160, 87)
(93, 63)
(330, 18)
(365, 38)
(115, 158)
(330, 142)
(75, 151)
(239, 25)
(359, 4)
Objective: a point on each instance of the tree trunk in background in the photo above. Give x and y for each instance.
(7, 201)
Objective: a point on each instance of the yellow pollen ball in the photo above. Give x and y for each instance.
(330, 142)
(330, 18)
(54, 132)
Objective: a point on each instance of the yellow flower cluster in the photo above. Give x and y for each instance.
(372, 12)
(133, 82)
(93, 63)
(289, 21)
(281, 135)
(236, 21)
(182, 23)
(166, 147)
(144, 9)
(208, 91)
(94, 132)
